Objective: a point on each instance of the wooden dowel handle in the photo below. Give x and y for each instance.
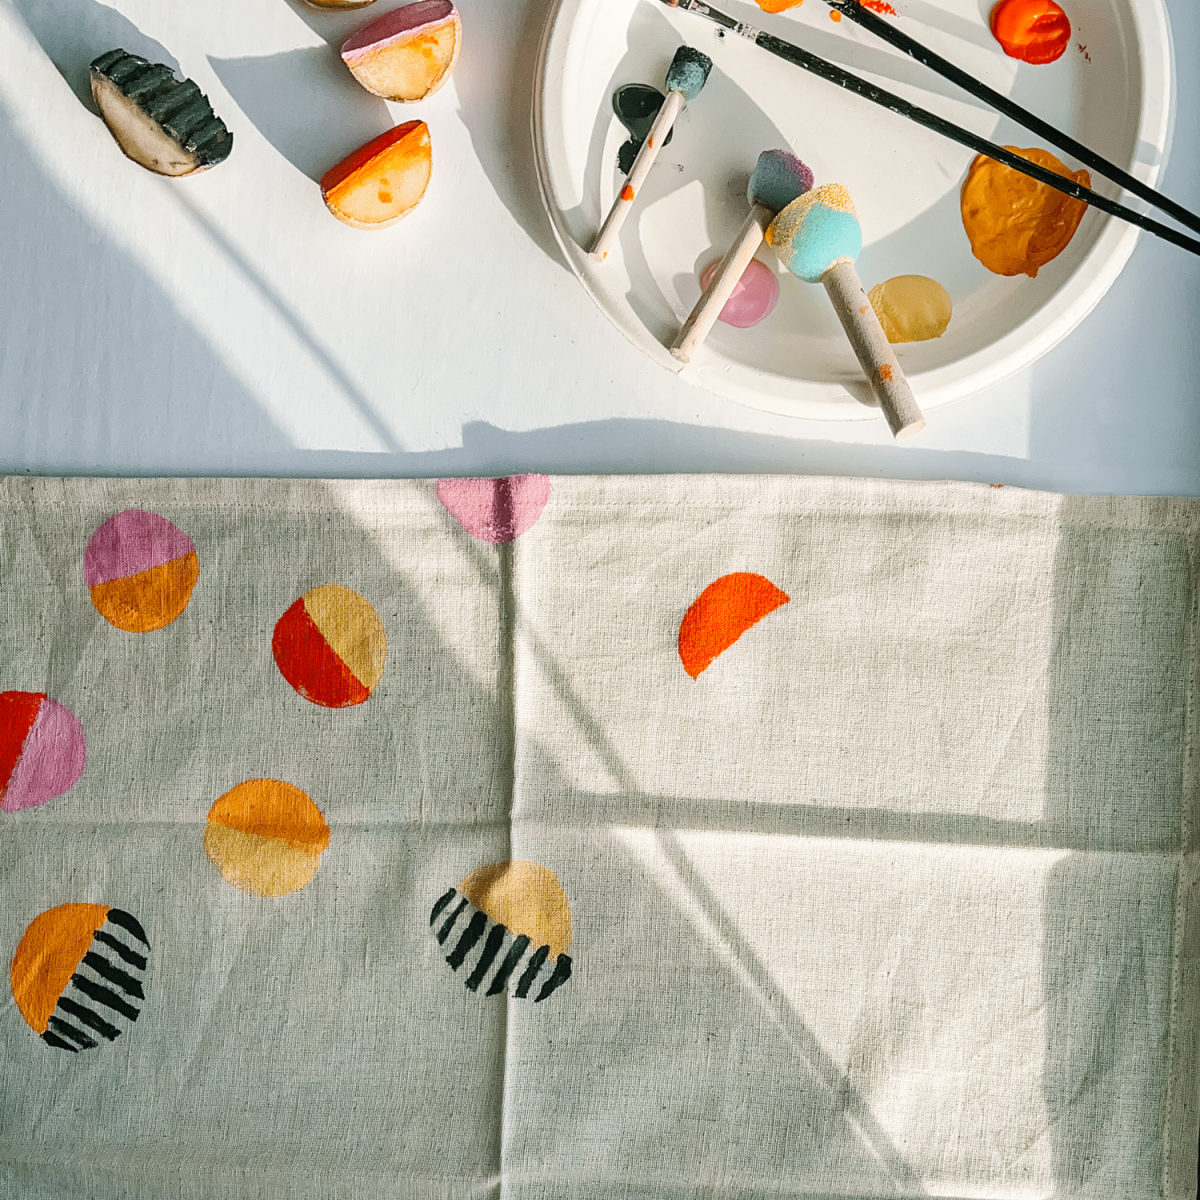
(637, 175)
(721, 286)
(873, 350)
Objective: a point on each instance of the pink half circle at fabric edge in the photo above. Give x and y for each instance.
(495, 510)
(131, 542)
(51, 761)
(406, 20)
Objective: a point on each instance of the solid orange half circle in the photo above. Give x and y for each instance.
(48, 956)
(721, 614)
(149, 600)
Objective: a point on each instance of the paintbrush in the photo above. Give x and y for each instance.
(818, 239)
(893, 103)
(686, 76)
(869, 21)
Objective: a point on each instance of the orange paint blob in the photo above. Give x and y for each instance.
(48, 956)
(1017, 225)
(1034, 31)
(774, 6)
(879, 6)
(834, 15)
(627, 193)
(721, 614)
(270, 808)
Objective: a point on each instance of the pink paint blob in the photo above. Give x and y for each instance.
(131, 542)
(52, 758)
(400, 22)
(495, 510)
(754, 297)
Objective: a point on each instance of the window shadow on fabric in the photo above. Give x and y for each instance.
(1022, 968)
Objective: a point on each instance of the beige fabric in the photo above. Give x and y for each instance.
(897, 898)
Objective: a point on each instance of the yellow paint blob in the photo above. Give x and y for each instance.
(1017, 225)
(911, 308)
(352, 628)
(526, 898)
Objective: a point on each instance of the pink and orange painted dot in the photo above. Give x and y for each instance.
(140, 570)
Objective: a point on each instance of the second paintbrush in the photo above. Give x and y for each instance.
(832, 73)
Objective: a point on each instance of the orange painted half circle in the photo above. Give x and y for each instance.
(721, 614)
(48, 955)
(150, 599)
(269, 808)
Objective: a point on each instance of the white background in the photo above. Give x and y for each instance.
(198, 326)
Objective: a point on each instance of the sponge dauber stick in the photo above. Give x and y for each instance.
(869, 21)
(779, 177)
(828, 71)
(686, 76)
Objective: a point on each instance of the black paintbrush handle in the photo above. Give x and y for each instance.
(877, 95)
(1010, 108)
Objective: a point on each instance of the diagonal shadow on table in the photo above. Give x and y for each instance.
(75, 32)
(306, 104)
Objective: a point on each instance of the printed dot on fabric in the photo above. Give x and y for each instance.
(266, 837)
(42, 750)
(495, 510)
(141, 570)
(331, 647)
(507, 928)
(721, 614)
(77, 976)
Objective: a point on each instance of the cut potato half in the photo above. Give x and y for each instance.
(382, 181)
(408, 53)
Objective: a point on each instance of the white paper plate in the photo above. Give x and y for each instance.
(1113, 90)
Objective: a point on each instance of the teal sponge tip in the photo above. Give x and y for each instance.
(779, 178)
(816, 232)
(688, 72)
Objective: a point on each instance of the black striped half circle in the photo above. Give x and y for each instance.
(104, 996)
(491, 959)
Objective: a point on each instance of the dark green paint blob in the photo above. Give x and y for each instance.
(636, 106)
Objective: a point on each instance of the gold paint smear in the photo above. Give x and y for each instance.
(526, 898)
(259, 865)
(48, 956)
(911, 308)
(352, 628)
(269, 808)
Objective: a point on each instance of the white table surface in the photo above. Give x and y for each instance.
(202, 326)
